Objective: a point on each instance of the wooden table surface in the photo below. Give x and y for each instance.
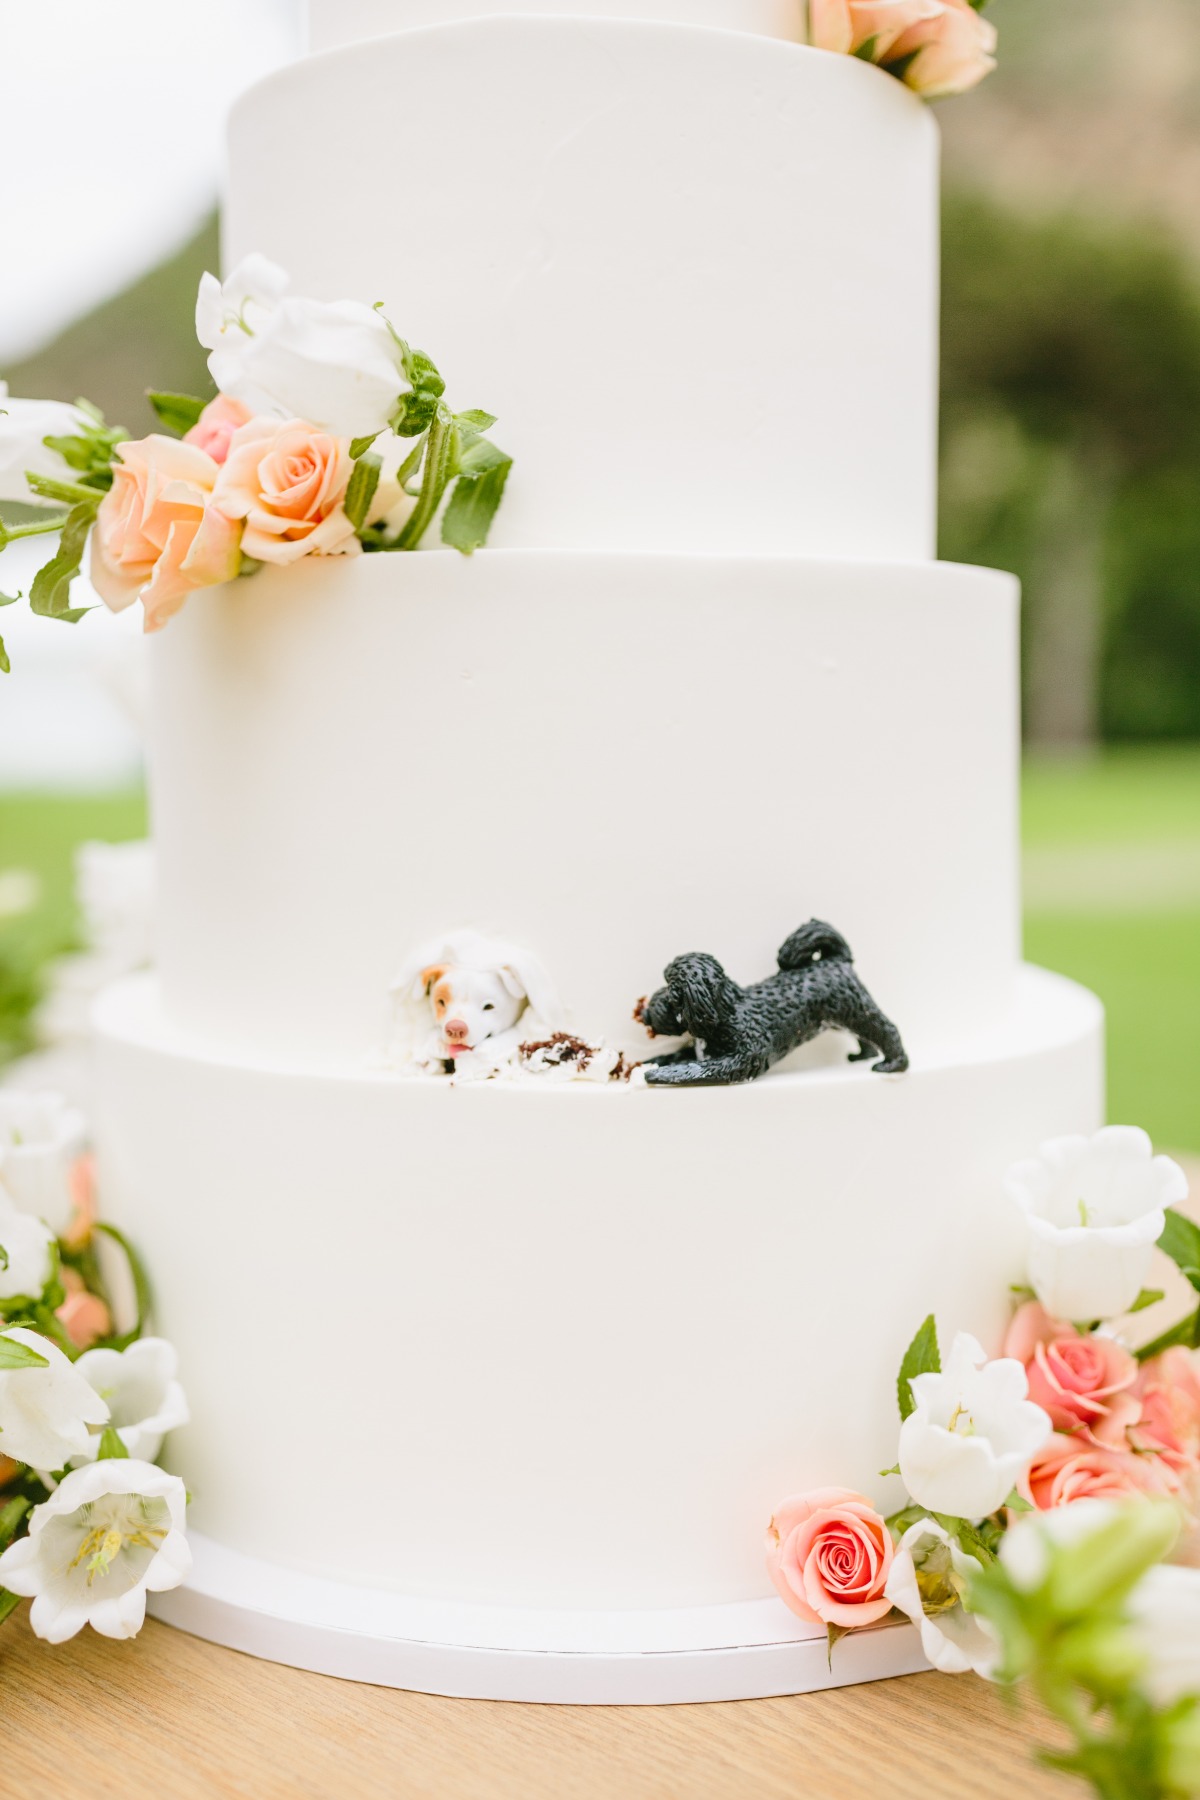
(167, 1717)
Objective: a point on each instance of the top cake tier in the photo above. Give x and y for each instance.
(346, 21)
(693, 272)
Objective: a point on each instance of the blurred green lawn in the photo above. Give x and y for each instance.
(1113, 899)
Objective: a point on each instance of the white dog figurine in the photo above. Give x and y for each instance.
(485, 998)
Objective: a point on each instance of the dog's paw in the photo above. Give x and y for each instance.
(896, 1065)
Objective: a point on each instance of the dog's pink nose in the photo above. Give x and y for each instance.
(456, 1031)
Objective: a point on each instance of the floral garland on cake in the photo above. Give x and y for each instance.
(935, 47)
(1044, 1486)
(328, 435)
(89, 1525)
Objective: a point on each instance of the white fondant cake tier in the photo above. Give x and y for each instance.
(693, 272)
(561, 1346)
(609, 760)
(346, 21)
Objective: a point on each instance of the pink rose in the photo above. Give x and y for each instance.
(1071, 1469)
(829, 1554)
(951, 53)
(1168, 1389)
(287, 481)
(83, 1316)
(1084, 1382)
(157, 538)
(214, 429)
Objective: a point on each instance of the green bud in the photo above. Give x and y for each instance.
(1101, 1568)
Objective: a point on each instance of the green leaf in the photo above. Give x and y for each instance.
(832, 1634)
(5, 664)
(474, 421)
(3, 1257)
(360, 446)
(473, 505)
(1147, 1297)
(11, 1516)
(866, 50)
(15, 1355)
(49, 595)
(8, 1604)
(111, 1446)
(894, 1470)
(9, 599)
(1181, 1242)
(141, 1285)
(921, 1358)
(1187, 1332)
(361, 491)
(1017, 1503)
(178, 412)
(32, 528)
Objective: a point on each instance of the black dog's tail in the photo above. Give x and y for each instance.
(813, 943)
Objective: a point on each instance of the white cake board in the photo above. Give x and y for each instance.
(745, 1651)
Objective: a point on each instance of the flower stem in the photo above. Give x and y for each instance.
(439, 452)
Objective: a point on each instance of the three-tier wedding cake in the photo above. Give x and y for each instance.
(534, 1359)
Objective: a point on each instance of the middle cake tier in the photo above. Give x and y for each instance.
(608, 760)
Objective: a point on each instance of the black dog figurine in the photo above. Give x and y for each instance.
(739, 1032)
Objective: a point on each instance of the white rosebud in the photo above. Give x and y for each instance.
(972, 1435)
(26, 1252)
(109, 1535)
(929, 1578)
(144, 1399)
(1095, 1208)
(1165, 1606)
(23, 426)
(40, 1138)
(45, 1412)
(333, 364)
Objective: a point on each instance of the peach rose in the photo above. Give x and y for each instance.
(214, 429)
(1168, 1389)
(1084, 1382)
(157, 537)
(829, 1554)
(82, 1183)
(1071, 1469)
(848, 26)
(83, 1316)
(950, 54)
(288, 482)
(951, 48)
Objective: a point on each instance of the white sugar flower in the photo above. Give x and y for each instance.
(1095, 1208)
(45, 1411)
(26, 1252)
(332, 363)
(144, 1399)
(972, 1434)
(1165, 1606)
(40, 1138)
(929, 1577)
(23, 426)
(109, 1535)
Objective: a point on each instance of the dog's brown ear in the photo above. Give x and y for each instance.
(432, 974)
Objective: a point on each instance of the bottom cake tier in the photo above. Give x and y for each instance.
(561, 1346)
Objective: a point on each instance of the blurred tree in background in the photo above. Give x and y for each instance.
(1071, 454)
